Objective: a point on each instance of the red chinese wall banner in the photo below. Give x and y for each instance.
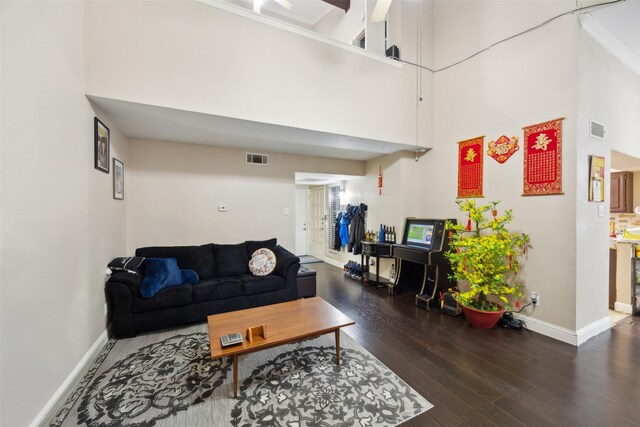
(543, 158)
(470, 161)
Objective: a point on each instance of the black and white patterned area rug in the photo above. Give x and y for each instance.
(169, 379)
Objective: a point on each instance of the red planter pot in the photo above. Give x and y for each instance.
(482, 319)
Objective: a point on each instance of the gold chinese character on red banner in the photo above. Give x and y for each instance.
(470, 162)
(543, 158)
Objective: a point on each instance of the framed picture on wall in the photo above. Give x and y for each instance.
(118, 179)
(596, 179)
(101, 145)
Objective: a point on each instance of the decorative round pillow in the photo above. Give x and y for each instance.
(263, 262)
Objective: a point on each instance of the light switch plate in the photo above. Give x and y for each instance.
(600, 209)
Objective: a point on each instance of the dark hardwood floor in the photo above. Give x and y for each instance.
(492, 377)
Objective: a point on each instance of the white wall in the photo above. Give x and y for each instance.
(180, 55)
(60, 225)
(525, 81)
(609, 93)
(174, 191)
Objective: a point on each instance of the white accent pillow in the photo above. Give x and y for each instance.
(262, 262)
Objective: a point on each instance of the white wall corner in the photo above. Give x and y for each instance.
(593, 329)
(621, 307)
(57, 400)
(593, 27)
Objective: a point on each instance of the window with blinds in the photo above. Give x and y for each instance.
(334, 208)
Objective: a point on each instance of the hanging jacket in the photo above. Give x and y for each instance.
(337, 241)
(357, 229)
(344, 229)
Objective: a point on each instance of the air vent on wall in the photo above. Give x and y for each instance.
(257, 159)
(596, 129)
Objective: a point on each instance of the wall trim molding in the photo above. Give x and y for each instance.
(621, 307)
(563, 334)
(593, 27)
(593, 329)
(71, 381)
(228, 7)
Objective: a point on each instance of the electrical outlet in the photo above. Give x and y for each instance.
(535, 299)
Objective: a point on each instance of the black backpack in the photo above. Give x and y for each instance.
(448, 303)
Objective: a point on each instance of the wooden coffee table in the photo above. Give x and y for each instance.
(285, 323)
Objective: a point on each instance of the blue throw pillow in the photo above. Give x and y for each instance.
(189, 277)
(160, 273)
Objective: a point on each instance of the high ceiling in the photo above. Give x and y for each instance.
(622, 21)
(305, 12)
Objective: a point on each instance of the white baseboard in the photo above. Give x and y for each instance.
(593, 329)
(621, 307)
(334, 262)
(57, 400)
(566, 335)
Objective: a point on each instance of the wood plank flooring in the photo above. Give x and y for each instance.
(492, 377)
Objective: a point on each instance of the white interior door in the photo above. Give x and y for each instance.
(302, 221)
(317, 218)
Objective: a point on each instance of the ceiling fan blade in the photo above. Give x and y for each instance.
(284, 3)
(380, 10)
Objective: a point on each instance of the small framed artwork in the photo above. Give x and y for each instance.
(101, 145)
(118, 179)
(596, 179)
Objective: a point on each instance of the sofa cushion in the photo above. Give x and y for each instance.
(254, 245)
(253, 285)
(160, 273)
(217, 288)
(167, 298)
(231, 260)
(197, 258)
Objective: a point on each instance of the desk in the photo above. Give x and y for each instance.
(377, 250)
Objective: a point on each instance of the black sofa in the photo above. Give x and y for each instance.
(226, 284)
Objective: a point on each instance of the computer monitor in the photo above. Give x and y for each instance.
(419, 233)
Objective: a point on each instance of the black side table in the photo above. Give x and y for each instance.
(377, 250)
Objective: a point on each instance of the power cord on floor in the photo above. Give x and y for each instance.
(510, 322)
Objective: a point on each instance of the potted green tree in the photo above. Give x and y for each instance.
(484, 256)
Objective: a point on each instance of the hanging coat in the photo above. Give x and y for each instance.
(337, 241)
(344, 230)
(357, 229)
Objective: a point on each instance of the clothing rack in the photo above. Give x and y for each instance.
(350, 228)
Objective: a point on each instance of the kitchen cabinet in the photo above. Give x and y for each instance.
(621, 192)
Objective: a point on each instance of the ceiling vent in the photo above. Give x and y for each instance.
(596, 129)
(257, 159)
